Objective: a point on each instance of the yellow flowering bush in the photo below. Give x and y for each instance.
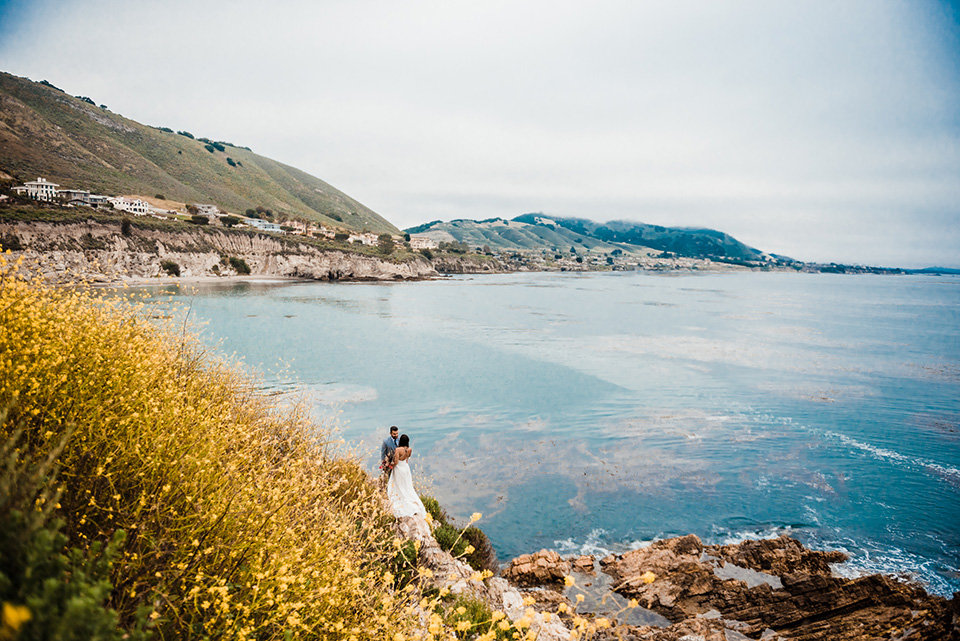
(241, 520)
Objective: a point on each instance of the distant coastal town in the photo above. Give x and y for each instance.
(259, 218)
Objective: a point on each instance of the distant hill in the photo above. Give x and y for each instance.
(73, 142)
(537, 231)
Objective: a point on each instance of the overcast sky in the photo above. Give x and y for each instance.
(826, 131)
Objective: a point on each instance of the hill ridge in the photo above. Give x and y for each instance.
(540, 232)
(70, 140)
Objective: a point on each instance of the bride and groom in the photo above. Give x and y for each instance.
(394, 454)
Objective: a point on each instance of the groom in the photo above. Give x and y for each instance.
(386, 453)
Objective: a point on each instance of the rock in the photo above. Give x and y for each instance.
(541, 568)
(779, 556)
(583, 563)
(811, 604)
(457, 577)
(99, 252)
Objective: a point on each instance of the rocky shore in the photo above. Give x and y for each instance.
(101, 253)
(682, 590)
(768, 589)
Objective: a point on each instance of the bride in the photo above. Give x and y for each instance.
(403, 498)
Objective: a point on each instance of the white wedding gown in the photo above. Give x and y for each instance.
(403, 498)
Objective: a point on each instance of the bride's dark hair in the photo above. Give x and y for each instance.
(404, 441)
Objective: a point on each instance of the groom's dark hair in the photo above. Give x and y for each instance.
(404, 440)
(394, 428)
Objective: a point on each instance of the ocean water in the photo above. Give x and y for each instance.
(597, 412)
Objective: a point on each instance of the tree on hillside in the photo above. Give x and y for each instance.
(385, 243)
(229, 221)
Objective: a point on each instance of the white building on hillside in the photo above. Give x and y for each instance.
(75, 196)
(423, 242)
(41, 189)
(263, 225)
(367, 239)
(132, 205)
(208, 210)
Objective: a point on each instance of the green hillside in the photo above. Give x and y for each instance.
(73, 142)
(537, 232)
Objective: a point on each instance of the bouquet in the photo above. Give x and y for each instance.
(386, 464)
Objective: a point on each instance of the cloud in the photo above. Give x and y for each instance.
(819, 130)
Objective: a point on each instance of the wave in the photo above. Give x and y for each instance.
(946, 472)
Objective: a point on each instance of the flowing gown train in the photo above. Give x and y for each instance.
(403, 498)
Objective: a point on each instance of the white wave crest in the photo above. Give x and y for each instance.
(946, 472)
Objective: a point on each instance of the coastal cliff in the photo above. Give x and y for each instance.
(104, 252)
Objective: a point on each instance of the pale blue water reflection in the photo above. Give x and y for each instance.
(594, 411)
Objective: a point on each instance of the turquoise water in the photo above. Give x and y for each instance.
(594, 412)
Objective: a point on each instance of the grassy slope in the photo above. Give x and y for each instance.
(503, 235)
(47, 132)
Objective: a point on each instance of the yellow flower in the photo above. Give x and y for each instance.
(568, 580)
(476, 516)
(603, 623)
(461, 610)
(497, 615)
(633, 604)
(470, 550)
(529, 600)
(504, 625)
(463, 626)
(444, 592)
(562, 608)
(14, 616)
(648, 577)
(579, 598)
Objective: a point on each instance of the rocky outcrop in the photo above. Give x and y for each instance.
(460, 578)
(541, 568)
(773, 589)
(777, 556)
(782, 591)
(468, 265)
(101, 252)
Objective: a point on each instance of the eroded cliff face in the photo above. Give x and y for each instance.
(102, 253)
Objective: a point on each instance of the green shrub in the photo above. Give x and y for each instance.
(449, 539)
(427, 253)
(477, 614)
(59, 592)
(170, 267)
(229, 221)
(197, 219)
(483, 557)
(186, 133)
(455, 540)
(239, 265)
(385, 244)
(405, 565)
(126, 227)
(209, 148)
